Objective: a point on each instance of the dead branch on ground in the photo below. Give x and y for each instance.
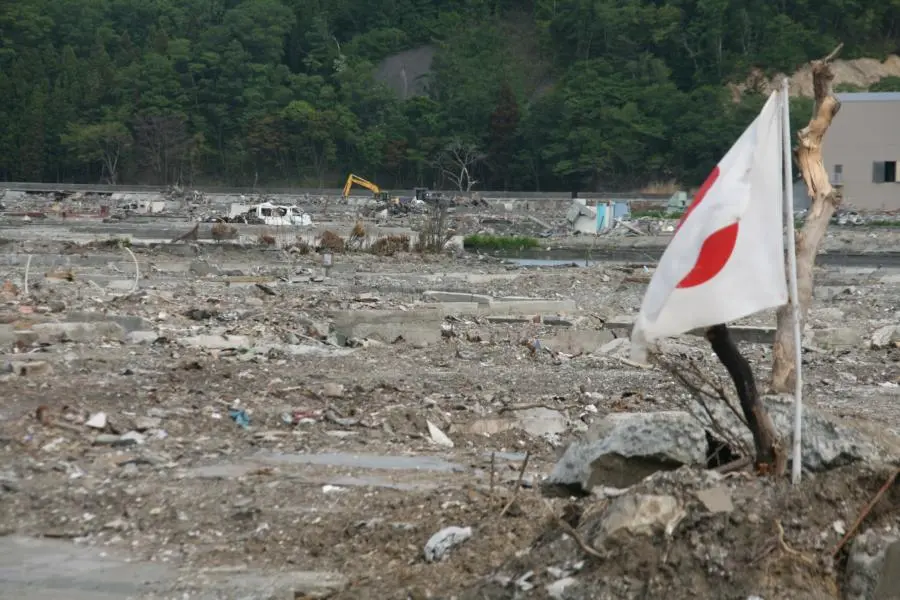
(705, 390)
(865, 512)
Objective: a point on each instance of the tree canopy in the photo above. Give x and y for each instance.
(541, 94)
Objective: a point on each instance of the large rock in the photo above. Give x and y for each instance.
(623, 448)
(873, 563)
(825, 444)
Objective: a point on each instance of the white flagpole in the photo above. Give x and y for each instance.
(796, 458)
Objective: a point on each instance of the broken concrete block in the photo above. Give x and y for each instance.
(7, 335)
(78, 332)
(217, 342)
(542, 421)
(640, 514)
(615, 347)
(438, 296)
(128, 322)
(441, 542)
(141, 337)
(502, 306)
(31, 368)
(866, 562)
(834, 338)
(825, 444)
(120, 285)
(623, 448)
(579, 341)
(716, 499)
(413, 326)
(203, 268)
(333, 390)
(885, 337)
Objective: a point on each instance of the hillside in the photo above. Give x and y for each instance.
(541, 94)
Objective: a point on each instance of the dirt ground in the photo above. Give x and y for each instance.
(337, 469)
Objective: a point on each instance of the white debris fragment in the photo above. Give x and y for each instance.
(438, 437)
(442, 541)
(97, 421)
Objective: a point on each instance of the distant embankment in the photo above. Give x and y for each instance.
(521, 200)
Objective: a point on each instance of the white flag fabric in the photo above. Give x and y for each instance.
(726, 259)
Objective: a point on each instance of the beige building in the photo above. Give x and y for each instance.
(862, 150)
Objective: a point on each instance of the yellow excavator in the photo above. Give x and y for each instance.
(379, 195)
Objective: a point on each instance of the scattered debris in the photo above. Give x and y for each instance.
(440, 544)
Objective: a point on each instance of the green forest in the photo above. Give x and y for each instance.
(525, 94)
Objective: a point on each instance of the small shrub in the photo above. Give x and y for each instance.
(357, 236)
(266, 239)
(332, 242)
(436, 231)
(480, 241)
(223, 231)
(301, 246)
(390, 245)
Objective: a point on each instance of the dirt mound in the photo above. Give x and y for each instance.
(860, 72)
(691, 534)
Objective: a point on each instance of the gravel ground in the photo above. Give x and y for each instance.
(339, 468)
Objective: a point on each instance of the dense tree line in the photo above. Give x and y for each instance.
(523, 94)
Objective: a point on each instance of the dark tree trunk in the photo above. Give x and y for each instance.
(770, 456)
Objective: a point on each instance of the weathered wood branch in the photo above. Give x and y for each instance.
(770, 454)
(824, 199)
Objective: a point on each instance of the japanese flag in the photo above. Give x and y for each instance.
(726, 259)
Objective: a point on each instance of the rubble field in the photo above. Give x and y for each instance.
(241, 423)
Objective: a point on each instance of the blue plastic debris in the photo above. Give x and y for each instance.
(240, 417)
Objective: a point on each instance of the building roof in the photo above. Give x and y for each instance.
(869, 97)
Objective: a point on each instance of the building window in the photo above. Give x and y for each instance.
(885, 172)
(838, 174)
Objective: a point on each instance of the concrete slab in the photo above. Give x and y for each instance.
(532, 306)
(78, 331)
(574, 341)
(128, 322)
(439, 296)
(413, 326)
(42, 569)
(742, 333)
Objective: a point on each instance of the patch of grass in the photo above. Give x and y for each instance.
(883, 223)
(478, 241)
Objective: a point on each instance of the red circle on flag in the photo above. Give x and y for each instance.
(716, 249)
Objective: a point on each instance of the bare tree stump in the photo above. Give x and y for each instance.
(770, 454)
(824, 200)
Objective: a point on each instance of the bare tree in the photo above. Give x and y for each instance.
(456, 162)
(824, 200)
(163, 144)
